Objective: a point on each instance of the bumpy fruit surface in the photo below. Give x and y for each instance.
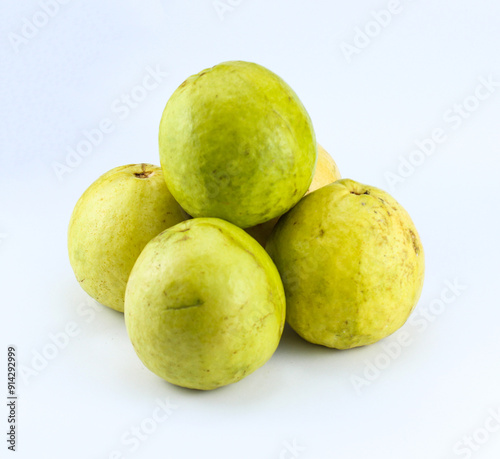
(236, 143)
(112, 222)
(204, 305)
(351, 262)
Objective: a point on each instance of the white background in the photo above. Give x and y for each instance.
(91, 395)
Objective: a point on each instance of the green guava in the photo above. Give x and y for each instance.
(112, 222)
(351, 262)
(236, 143)
(204, 305)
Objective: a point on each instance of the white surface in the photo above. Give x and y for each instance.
(69, 77)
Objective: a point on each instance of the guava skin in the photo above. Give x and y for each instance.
(112, 222)
(351, 262)
(236, 143)
(326, 172)
(204, 305)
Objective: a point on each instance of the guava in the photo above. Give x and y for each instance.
(326, 173)
(236, 143)
(112, 222)
(204, 305)
(351, 262)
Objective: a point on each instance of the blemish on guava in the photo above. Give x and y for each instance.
(414, 242)
(204, 72)
(187, 306)
(185, 238)
(264, 318)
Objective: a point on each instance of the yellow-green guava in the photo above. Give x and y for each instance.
(236, 143)
(112, 222)
(204, 305)
(326, 173)
(351, 262)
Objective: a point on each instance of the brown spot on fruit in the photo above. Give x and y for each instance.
(184, 238)
(414, 242)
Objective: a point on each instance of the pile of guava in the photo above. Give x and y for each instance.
(247, 222)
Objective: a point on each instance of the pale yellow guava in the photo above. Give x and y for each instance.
(112, 222)
(351, 262)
